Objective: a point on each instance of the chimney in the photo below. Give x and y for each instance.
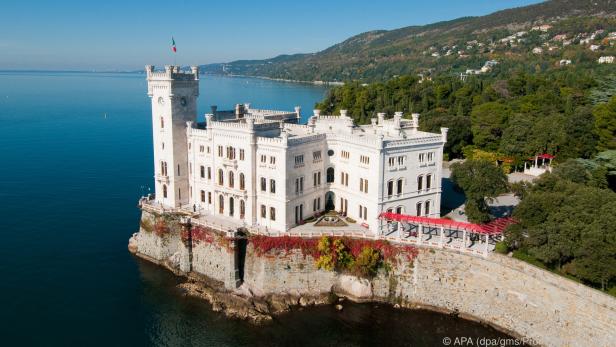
(444, 134)
(415, 125)
(381, 117)
(343, 113)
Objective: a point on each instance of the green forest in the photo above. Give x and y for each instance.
(566, 219)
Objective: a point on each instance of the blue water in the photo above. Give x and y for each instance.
(69, 182)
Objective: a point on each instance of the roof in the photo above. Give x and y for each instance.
(494, 227)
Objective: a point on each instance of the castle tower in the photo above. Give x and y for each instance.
(174, 102)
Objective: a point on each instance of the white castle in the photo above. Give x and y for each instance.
(261, 169)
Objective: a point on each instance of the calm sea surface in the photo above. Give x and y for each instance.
(69, 183)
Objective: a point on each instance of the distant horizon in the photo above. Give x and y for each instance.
(117, 36)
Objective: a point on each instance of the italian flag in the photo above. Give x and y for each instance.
(173, 45)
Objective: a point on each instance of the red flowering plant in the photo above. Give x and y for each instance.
(265, 244)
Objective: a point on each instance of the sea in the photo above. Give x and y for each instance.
(75, 156)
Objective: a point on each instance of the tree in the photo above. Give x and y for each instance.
(568, 226)
(488, 122)
(481, 181)
(605, 124)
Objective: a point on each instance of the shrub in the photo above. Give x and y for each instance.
(367, 262)
(501, 247)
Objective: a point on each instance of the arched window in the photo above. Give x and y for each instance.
(399, 210)
(419, 208)
(263, 184)
(163, 168)
(427, 208)
(231, 207)
(231, 179)
(419, 182)
(242, 182)
(390, 188)
(428, 181)
(330, 175)
(164, 191)
(221, 204)
(220, 177)
(399, 187)
(242, 209)
(272, 186)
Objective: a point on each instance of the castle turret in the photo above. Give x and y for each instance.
(174, 102)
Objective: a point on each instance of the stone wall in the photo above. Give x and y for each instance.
(509, 294)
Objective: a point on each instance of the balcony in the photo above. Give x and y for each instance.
(229, 163)
(162, 178)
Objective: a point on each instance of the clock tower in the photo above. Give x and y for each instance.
(174, 102)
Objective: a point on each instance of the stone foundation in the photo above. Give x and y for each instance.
(508, 294)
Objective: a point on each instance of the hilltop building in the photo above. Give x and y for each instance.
(262, 169)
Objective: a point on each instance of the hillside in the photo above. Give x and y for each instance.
(456, 45)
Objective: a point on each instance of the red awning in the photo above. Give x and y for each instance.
(494, 227)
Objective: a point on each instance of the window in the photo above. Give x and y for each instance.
(220, 151)
(209, 173)
(208, 149)
(221, 204)
(230, 152)
(399, 210)
(272, 213)
(263, 211)
(344, 179)
(316, 178)
(209, 198)
(263, 184)
(203, 196)
(273, 160)
(242, 182)
(164, 191)
(231, 206)
(318, 203)
(299, 213)
(392, 161)
(220, 177)
(314, 205)
(316, 155)
(162, 122)
(242, 209)
(179, 194)
(299, 159)
(345, 154)
(272, 186)
(179, 170)
(430, 156)
(419, 182)
(422, 157)
(419, 208)
(299, 185)
(163, 168)
(390, 188)
(363, 212)
(263, 158)
(401, 160)
(202, 169)
(399, 187)
(241, 154)
(364, 159)
(330, 175)
(363, 185)
(428, 181)
(163, 145)
(201, 148)
(231, 179)
(427, 208)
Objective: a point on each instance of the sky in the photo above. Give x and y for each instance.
(125, 35)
